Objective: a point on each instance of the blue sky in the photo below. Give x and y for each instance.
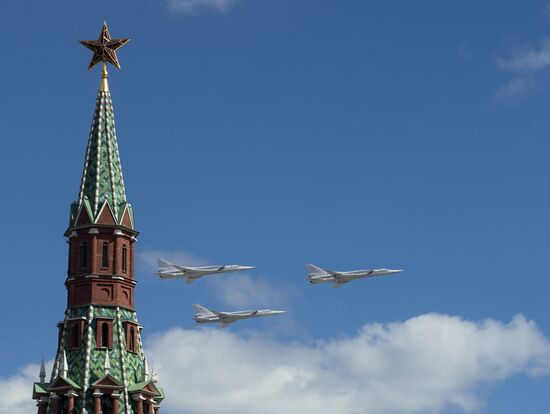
(276, 133)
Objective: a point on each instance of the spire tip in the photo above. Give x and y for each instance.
(42, 374)
(104, 85)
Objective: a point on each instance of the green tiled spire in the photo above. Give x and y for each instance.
(102, 176)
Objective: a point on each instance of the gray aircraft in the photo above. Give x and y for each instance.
(321, 275)
(205, 315)
(169, 270)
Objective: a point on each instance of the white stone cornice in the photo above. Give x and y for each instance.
(138, 397)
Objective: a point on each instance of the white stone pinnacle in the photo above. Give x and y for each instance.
(145, 369)
(154, 374)
(42, 372)
(107, 365)
(64, 365)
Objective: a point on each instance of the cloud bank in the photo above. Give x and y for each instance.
(192, 6)
(424, 364)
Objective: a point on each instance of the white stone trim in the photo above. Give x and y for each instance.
(122, 354)
(87, 356)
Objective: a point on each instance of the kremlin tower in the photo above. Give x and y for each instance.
(100, 366)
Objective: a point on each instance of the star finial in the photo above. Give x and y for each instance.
(104, 48)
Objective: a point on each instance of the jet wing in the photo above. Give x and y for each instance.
(190, 279)
(334, 273)
(221, 315)
(226, 316)
(367, 272)
(200, 270)
(225, 319)
(184, 269)
(339, 283)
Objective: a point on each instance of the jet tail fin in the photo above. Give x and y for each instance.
(201, 310)
(315, 270)
(164, 263)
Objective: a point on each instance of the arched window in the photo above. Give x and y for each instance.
(75, 336)
(105, 335)
(84, 255)
(132, 339)
(124, 258)
(105, 255)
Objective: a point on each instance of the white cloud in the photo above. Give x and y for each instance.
(16, 391)
(517, 87)
(424, 364)
(191, 6)
(242, 290)
(234, 290)
(527, 64)
(528, 59)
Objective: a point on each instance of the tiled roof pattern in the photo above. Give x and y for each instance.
(102, 176)
(86, 364)
(138, 386)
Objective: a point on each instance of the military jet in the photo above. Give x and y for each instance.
(169, 270)
(205, 315)
(320, 275)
